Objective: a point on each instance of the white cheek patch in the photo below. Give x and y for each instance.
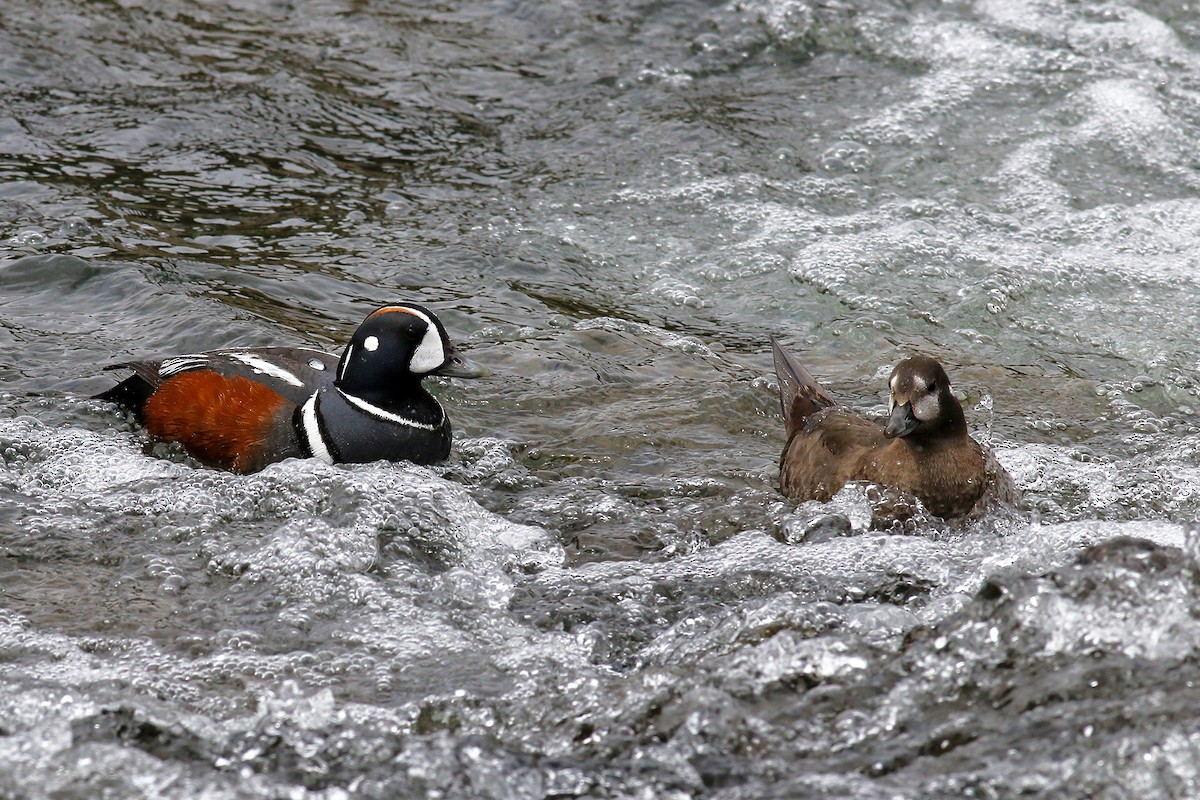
(429, 354)
(371, 344)
(927, 407)
(264, 367)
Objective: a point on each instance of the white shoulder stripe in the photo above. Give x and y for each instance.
(312, 430)
(267, 368)
(379, 413)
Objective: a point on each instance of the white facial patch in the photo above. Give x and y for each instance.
(371, 344)
(926, 406)
(429, 354)
(264, 367)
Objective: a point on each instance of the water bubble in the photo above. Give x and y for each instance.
(784, 155)
(76, 228)
(706, 41)
(399, 208)
(29, 238)
(845, 156)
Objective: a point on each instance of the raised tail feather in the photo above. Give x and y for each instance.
(132, 392)
(799, 393)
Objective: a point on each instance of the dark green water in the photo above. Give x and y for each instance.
(612, 206)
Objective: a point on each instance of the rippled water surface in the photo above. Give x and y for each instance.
(613, 206)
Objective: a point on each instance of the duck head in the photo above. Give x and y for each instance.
(399, 344)
(921, 405)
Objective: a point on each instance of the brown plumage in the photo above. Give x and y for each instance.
(923, 450)
(225, 421)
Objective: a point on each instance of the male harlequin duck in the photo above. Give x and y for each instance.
(243, 408)
(923, 450)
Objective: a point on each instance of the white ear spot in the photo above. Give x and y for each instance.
(371, 343)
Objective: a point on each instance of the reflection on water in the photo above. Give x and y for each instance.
(603, 594)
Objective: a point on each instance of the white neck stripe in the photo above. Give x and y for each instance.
(312, 430)
(379, 413)
(267, 368)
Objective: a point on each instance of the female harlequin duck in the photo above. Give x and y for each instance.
(923, 450)
(241, 409)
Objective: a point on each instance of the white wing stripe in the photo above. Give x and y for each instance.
(173, 366)
(267, 368)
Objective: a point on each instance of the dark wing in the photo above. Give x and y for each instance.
(840, 431)
(294, 373)
(800, 396)
(827, 449)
